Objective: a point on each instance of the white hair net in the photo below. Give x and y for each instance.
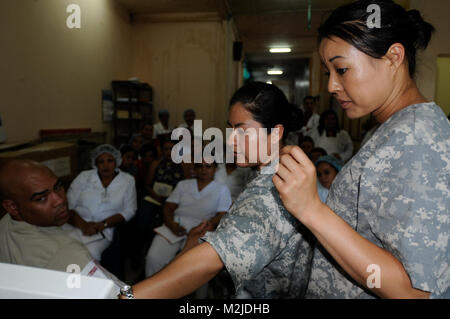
(106, 148)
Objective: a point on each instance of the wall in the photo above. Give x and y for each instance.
(189, 64)
(436, 12)
(51, 76)
(442, 91)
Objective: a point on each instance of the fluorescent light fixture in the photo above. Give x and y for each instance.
(280, 50)
(275, 72)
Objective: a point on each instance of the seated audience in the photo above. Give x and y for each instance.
(129, 160)
(162, 129)
(148, 155)
(316, 153)
(147, 133)
(327, 169)
(311, 117)
(294, 137)
(161, 179)
(31, 232)
(101, 198)
(192, 201)
(307, 145)
(330, 137)
(164, 171)
(136, 142)
(189, 117)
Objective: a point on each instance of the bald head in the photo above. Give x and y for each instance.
(32, 193)
(13, 174)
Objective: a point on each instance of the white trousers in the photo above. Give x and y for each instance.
(97, 247)
(161, 252)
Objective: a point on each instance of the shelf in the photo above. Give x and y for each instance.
(133, 104)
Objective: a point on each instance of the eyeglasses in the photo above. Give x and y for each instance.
(198, 166)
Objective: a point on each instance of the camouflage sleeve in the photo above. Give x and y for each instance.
(404, 194)
(249, 237)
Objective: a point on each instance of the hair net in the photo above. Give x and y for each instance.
(333, 161)
(106, 148)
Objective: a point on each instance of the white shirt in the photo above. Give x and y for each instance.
(235, 182)
(95, 203)
(158, 129)
(194, 206)
(312, 124)
(342, 144)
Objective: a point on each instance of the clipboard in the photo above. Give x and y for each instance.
(165, 232)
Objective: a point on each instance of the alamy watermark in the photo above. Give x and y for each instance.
(74, 19)
(374, 19)
(374, 279)
(250, 146)
(73, 280)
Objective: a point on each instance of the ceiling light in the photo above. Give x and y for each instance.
(275, 72)
(280, 50)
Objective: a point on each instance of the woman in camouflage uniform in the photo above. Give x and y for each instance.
(265, 250)
(385, 230)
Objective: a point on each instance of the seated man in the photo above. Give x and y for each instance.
(36, 208)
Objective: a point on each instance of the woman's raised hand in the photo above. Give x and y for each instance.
(296, 181)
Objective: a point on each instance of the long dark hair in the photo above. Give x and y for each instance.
(269, 106)
(349, 23)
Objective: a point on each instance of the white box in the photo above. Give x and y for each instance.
(23, 282)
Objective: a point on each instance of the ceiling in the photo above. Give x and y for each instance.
(259, 23)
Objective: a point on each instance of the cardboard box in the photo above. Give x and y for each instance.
(60, 157)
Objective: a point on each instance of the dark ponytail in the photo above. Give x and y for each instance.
(269, 106)
(423, 30)
(349, 23)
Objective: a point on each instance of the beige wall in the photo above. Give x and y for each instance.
(189, 65)
(52, 76)
(436, 12)
(442, 90)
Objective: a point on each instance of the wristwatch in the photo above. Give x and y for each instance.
(127, 292)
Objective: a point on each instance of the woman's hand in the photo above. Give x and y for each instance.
(100, 226)
(195, 234)
(296, 181)
(89, 228)
(177, 229)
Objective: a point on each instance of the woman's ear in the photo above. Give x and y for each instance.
(396, 55)
(277, 133)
